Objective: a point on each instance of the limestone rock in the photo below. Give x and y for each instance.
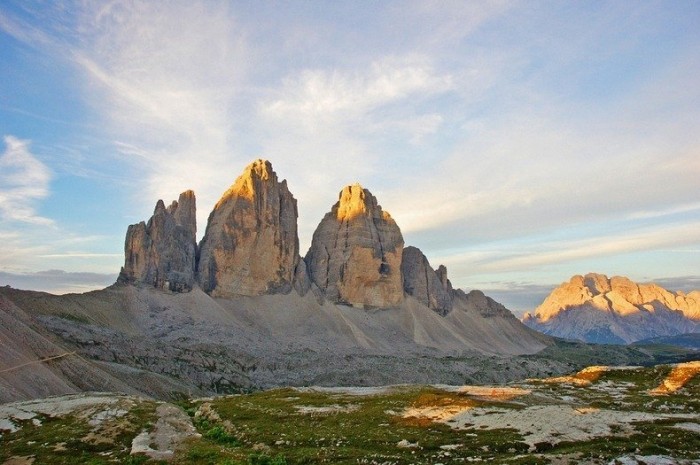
(430, 287)
(162, 252)
(356, 251)
(302, 282)
(594, 308)
(251, 246)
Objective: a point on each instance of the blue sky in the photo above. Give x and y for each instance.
(518, 143)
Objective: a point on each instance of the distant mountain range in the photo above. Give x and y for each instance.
(593, 308)
(688, 341)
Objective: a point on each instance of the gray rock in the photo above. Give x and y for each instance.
(162, 252)
(251, 246)
(429, 287)
(356, 251)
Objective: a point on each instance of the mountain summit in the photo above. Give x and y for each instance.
(594, 308)
(356, 250)
(161, 253)
(251, 246)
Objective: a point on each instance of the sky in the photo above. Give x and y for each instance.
(517, 143)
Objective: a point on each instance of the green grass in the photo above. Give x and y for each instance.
(67, 440)
(360, 430)
(273, 428)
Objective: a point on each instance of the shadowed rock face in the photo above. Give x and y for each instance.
(429, 287)
(162, 252)
(356, 251)
(251, 246)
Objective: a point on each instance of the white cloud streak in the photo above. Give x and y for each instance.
(24, 181)
(320, 97)
(508, 258)
(167, 78)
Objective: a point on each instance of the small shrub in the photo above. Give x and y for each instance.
(262, 459)
(134, 460)
(220, 436)
(201, 454)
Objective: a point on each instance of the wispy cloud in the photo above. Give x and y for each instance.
(321, 97)
(168, 79)
(24, 181)
(532, 256)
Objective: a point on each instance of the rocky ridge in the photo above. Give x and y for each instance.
(244, 310)
(595, 308)
(251, 247)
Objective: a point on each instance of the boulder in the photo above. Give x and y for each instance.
(251, 246)
(356, 251)
(162, 252)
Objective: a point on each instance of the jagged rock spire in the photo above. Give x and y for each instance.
(162, 252)
(251, 246)
(356, 250)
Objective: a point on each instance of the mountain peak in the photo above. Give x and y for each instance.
(356, 251)
(354, 200)
(596, 308)
(161, 253)
(251, 246)
(254, 178)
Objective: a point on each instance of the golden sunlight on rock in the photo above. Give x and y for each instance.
(437, 408)
(494, 393)
(679, 377)
(584, 377)
(356, 251)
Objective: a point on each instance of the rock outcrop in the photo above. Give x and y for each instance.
(251, 246)
(429, 287)
(162, 252)
(356, 251)
(594, 308)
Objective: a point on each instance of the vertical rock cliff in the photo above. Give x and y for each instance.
(430, 287)
(356, 251)
(251, 246)
(162, 252)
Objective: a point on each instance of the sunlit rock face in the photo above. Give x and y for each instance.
(162, 252)
(594, 308)
(430, 287)
(356, 251)
(251, 246)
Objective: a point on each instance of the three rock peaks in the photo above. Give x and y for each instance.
(251, 247)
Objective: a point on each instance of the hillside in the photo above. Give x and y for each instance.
(598, 309)
(191, 342)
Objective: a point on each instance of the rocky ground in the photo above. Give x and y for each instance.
(600, 415)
